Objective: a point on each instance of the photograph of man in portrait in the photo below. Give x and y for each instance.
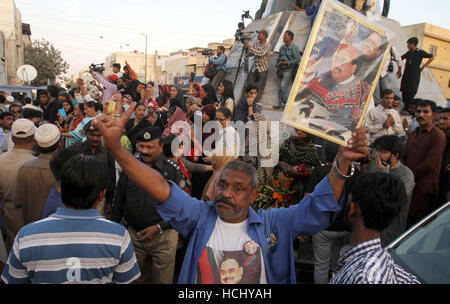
(338, 74)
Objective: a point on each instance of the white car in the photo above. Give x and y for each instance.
(424, 250)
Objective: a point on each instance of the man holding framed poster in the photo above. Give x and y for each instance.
(338, 74)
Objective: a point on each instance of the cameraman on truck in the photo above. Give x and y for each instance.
(261, 52)
(220, 67)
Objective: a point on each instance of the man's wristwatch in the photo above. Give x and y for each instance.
(339, 173)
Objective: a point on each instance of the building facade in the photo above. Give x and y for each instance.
(137, 62)
(14, 35)
(435, 40)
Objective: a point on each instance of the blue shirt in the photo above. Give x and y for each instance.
(289, 54)
(368, 263)
(274, 230)
(54, 201)
(72, 246)
(220, 62)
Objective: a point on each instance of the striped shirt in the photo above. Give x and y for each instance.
(261, 52)
(72, 247)
(368, 263)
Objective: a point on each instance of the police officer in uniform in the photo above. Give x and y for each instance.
(155, 242)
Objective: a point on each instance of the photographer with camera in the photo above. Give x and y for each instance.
(261, 52)
(109, 84)
(239, 31)
(217, 74)
(287, 66)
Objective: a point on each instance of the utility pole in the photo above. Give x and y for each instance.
(145, 56)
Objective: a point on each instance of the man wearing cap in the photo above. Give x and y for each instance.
(109, 85)
(261, 52)
(153, 239)
(93, 146)
(22, 134)
(9, 100)
(35, 179)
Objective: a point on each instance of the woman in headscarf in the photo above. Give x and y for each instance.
(200, 180)
(160, 120)
(163, 95)
(177, 102)
(186, 166)
(71, 124)
(195, 90)
(136, 124)
(127, 100)
(247, 106)
(174, 115)
(218, 163)
(176, 91)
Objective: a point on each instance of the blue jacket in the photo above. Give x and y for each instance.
(274, 230)
(220, 62)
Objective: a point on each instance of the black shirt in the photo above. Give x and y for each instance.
(411, 76)
(136, 206)
(51, 111)
(318, 174)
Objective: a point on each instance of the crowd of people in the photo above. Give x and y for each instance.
(102, 188)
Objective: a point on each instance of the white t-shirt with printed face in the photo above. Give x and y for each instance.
(231, 257)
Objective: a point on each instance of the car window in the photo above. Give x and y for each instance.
(426, 252)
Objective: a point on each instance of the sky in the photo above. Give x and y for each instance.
(87, 31)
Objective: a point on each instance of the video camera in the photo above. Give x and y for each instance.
(244, 36)
(98, 67)
(208, 52)
(246, 15)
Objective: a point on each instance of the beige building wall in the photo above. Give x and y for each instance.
(436, 40)
(14, 41)
(137, 62)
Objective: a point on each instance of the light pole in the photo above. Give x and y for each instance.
(145, 56)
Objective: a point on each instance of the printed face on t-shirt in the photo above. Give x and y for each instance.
(230, 272)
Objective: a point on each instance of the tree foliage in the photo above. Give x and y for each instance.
(46, 59)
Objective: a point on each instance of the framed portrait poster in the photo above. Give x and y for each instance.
(338, 74)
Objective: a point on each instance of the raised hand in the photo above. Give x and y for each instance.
(358, 147)
(112, 129)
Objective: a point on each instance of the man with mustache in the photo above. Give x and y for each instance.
(230, 224)
(423, 155)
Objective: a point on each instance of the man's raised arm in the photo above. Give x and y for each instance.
(357, 149)
(145, 177)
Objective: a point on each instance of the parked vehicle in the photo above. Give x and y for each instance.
(424, 250)
(15, 91)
